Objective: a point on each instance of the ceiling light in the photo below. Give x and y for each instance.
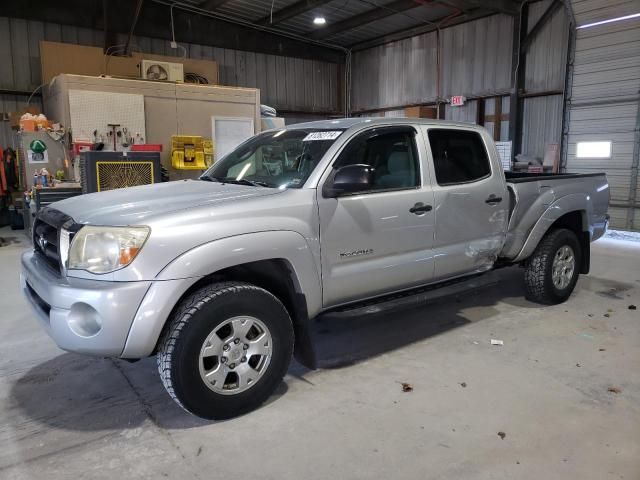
(319, 21)
(610, 20)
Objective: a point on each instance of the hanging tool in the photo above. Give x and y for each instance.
(127, 141)
(113, 127)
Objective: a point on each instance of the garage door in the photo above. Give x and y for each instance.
(604, 122)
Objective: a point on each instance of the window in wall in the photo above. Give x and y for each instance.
(393, 156)
(593, 149)
(459, 156)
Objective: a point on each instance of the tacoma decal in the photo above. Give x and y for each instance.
(355, 253)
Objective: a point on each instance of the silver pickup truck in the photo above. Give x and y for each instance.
(220, 277)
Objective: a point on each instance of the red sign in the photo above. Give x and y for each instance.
(457, 100)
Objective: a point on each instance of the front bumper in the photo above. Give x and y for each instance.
(85, 316)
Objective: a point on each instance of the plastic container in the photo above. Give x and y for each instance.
(28, 125)
(146, 147)
(81, 146)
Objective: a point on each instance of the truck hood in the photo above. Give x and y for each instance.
(131, 206)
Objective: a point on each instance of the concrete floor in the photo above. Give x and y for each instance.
(65, 416)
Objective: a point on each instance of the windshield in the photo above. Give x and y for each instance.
(281, 159)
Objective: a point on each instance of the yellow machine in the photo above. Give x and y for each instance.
(190, 152)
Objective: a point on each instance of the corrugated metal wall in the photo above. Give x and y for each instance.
(286, 83)
(541, 124)
(467, 113)
(545, 71)
(605, 101)
(476, 61)
(547, 54)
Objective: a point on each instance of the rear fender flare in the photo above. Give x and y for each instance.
(570, 203)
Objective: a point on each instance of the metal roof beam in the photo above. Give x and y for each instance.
(211, 4)
(503, 6)
(367, 17)
(291, 11)
(191, 26)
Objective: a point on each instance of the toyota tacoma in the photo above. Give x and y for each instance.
(220, 277)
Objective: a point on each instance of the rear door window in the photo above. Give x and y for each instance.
(459, 156)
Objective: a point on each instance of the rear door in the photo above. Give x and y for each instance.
(471, 201)
(376, 242)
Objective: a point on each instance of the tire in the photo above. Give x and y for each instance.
(206, 316)
(539, 277)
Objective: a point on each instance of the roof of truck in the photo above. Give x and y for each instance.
(352, 122)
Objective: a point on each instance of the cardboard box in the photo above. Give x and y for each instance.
(421, 112)
(57, 58)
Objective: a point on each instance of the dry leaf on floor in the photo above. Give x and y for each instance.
(406, 387)
(502, 435)
(614, 390)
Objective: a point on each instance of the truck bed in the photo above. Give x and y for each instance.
(536, 200)
(522, 177)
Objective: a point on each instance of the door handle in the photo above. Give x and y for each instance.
(420, 208)
(492, 200)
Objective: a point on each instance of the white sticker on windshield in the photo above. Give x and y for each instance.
(314, 136)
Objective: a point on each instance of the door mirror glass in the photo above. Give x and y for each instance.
(350, 179)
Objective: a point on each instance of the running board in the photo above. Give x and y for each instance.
(416, 297)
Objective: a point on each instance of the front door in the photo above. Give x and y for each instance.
(376, 241)
(471, 202)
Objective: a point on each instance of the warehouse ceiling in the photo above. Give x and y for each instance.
(352, 23)
(319, 29)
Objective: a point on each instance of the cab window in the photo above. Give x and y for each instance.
(459, 156)
(391, 152)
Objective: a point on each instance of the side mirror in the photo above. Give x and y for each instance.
(350, 179)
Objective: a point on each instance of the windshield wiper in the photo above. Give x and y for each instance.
(244, 181)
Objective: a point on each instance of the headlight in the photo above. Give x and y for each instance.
(105, 249)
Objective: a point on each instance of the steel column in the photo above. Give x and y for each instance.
(517, 79)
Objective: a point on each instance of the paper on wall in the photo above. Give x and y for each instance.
(316, 136)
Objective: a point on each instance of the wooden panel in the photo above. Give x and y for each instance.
(57, 58)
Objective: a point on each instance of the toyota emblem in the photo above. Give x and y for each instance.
(42, 242)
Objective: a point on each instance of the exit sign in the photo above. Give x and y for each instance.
(457, 100)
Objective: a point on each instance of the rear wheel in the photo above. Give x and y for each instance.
(552, 270)
(227, 348)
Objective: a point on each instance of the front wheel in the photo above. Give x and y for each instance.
(552, 270)
(227, 348)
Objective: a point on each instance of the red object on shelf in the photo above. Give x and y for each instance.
(81, 146)
(147, 147)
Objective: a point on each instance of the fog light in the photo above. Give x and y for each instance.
(84, 320)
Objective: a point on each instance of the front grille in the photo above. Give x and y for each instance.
(46, 235)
